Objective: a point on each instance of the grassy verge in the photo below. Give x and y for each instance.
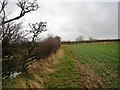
(66, 75)
(20, 81)
(58, 72)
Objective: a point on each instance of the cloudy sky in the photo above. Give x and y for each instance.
(70, 19)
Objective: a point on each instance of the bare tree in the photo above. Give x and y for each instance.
(11, 35)
(7, 29)
(10, 31)
(58, 38)
(25, 5)
(91, 38)
(36, 29)
(80, 38)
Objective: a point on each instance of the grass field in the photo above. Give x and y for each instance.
(62, 71)
(103, 58)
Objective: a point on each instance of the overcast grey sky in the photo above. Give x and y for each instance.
(70, 19)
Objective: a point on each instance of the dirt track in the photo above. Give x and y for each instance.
(88, 77)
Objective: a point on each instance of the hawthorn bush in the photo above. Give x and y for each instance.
(45, 48)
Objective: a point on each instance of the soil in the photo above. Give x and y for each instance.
(88, 77)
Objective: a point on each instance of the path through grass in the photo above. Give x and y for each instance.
(66, 75)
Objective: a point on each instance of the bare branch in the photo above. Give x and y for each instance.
(37, 28)
(11, 32)
(3, 5)
(25, 5)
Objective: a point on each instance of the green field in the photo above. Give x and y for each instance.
(101, 58)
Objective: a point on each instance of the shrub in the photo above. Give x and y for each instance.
(45, 48)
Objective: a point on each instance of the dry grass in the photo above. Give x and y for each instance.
(44, 65)
(33, 78)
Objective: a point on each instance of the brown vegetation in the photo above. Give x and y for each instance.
(44, 65)
(41, 50)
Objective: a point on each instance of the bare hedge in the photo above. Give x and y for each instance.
(41, 50)
(45, 48)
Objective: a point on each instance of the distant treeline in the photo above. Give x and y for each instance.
(90, 41)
